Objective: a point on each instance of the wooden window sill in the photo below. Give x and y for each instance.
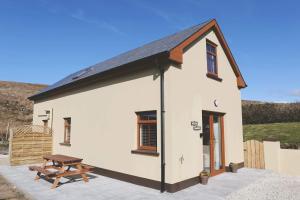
(214, 76)
(65, 144)
(145, 152)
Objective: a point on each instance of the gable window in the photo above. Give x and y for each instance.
(147, 130)
(211, 52)
(67, 131)
(212, 64)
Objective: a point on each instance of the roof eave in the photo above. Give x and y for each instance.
(90, 79)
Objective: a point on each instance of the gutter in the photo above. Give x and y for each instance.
(162, 127)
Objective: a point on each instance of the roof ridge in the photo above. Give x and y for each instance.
(153, 41)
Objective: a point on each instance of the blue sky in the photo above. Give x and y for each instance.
(41, 41)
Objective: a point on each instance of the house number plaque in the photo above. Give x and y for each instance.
(195, 126)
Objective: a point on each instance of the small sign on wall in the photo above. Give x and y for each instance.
(195, 126)
(194, 123)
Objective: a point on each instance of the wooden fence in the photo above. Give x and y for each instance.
(28, 144)
(254, 154)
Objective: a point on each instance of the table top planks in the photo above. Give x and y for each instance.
(63, 159)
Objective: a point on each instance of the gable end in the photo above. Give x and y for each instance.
(176, 54)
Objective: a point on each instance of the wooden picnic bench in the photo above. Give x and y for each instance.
(60, 166)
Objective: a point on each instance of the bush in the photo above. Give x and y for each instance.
(263, 113)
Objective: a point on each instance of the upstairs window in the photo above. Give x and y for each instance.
(147, 130)
(67, 131)
(211, 52)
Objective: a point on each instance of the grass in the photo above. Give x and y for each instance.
(286, 133)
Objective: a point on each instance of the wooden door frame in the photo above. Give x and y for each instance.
(211, 114)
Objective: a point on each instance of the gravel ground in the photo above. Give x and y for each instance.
(10, 192)
(273, 187)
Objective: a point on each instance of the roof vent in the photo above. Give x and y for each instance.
(81, 73)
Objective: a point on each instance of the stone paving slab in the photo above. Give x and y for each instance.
(100, 187)
(4, 159)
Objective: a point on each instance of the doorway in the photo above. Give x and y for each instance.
(45, 122)
(213, 142)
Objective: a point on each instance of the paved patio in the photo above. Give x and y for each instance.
(4, 159)
(100, 187)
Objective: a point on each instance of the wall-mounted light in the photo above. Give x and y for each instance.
(216, 103)
(181, 159)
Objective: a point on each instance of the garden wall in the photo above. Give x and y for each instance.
(285, 161)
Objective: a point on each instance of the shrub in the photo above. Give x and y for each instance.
(263, 113)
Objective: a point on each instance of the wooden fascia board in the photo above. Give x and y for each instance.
(176, 54)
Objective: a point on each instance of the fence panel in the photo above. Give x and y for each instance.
(28, 144)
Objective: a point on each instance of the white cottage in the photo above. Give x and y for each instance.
(156, 115)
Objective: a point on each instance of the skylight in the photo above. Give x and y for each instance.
(81, 73)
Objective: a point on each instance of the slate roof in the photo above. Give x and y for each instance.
(156, 47)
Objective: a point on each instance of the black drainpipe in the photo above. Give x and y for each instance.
(162, 126)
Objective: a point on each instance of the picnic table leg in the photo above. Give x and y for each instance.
(83, 175)
(55, 182)
(57, 178)
(37, 177)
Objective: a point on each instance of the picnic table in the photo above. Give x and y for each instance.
(60, 166)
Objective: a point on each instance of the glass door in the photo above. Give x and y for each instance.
(213, 142)
(206, 142)
(217, 142)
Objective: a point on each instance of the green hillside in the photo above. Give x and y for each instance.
(287, 133)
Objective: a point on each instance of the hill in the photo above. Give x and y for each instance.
(287, 133)
(15, 108)
(272, 121)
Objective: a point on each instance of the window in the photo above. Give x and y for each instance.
(147, 130)
(211, 51)
(67, 131)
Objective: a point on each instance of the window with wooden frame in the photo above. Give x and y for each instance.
(212, 64)
(67, 131)
(147, 130)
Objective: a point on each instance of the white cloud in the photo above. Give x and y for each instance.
(281, 101)
(295, 93)
(81, 16)
(171, 18)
